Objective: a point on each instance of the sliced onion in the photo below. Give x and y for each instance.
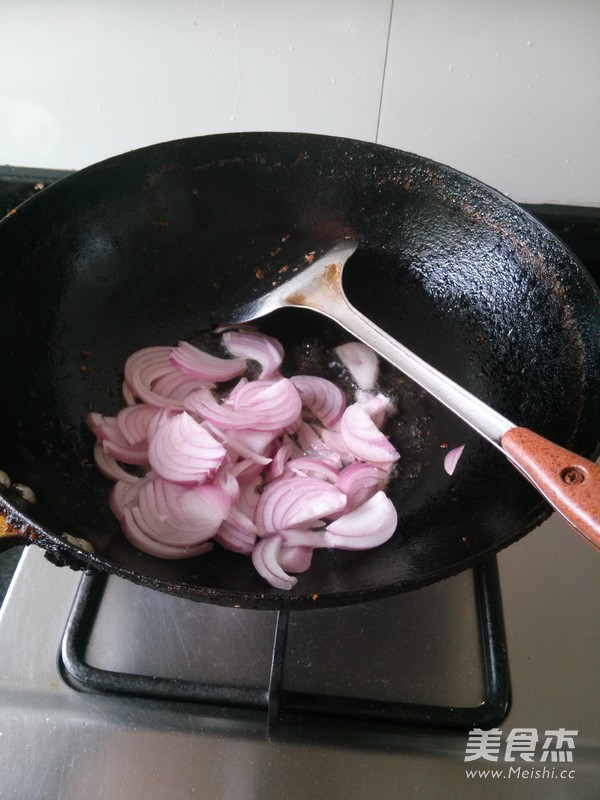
(258, 347)
(280, 460)
(124, 494)
(114, 444)
(183, 451)
(159, 420)
(277, 400)
(321, 397)
(128, 394)
(229, 399)
(369, 525)
(235, 443)
(300, 538)
(133, 422)
(295, 559)
(151, 377)
(451, 459)
(175, 386)
(259, 405)
(226, 480)
(360, 481)
(295, 502)
(143, 369)
(105, 427)
(128, 454)
(158, 549)
(110, 467)
(179, 515)
(336, 446)
(251, 441)
(116, 500)
(248, 470)
(376, 407)
(264, 558)
(237, 533)
(361, 362)
(250, 482)
(363, 438)
(317, 446)
(206, 506)
(313, 468)
(203, 366)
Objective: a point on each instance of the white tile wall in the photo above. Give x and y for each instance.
(506, 90)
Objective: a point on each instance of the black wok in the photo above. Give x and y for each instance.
(140, 249)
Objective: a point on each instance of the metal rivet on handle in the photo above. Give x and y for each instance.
(573, 476)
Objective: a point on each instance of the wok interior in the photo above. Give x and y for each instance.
(143, 249)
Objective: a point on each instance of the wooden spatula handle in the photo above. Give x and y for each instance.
(570, 482)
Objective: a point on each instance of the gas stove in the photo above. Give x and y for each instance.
(481, 685)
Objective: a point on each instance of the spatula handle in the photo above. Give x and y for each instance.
(569, 482)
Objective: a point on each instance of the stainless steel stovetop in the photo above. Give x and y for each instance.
(59, 741)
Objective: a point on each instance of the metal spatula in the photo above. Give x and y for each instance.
(570, 483)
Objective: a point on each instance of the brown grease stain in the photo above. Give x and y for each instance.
(297, 299)
(332, 275)
(331, 279)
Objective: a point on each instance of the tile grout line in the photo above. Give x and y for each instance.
(385, 61)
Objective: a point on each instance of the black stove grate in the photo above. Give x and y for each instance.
(275, 700)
